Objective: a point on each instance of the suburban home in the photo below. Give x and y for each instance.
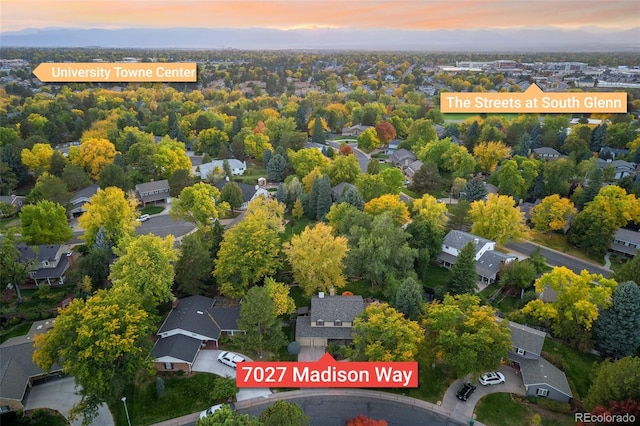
(413, 168)
(194, 323)
(392, 147)
(402, 157)
(626, 243)
(15, 200)
(50, 262)
(613, 153)
(249, 192)
(622, 168)
(354, 130)
(540, 377)
(152, 192)
(330, 321)
(18, 372)
(489, 262)
(76, 205)
(237, 167)
(336, 191)
(546, 153)
(441, 131)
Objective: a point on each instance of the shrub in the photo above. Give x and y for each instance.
(554, 359)
(555, 406)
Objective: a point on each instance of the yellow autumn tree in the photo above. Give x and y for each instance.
(38, 158)
(552, 214)
(113, 212)
(430, 210)
(94, 155)
(489, 154)
(255, 145)
(497, 219)
(316, 258)
(389, 203)
(279, 293)
(171, 156)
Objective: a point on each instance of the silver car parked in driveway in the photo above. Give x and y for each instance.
(491, 378)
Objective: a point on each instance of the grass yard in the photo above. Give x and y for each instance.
(577, 365)
(297, 294)
(500, 409)
(16, 330)
(44, 417)
(559, 242)
(432, 384)
(437, 276)
(409, 192)
(361, 288)
(182, 396)
(294, 227)
(151, 210)
(10, 222)
(451, 116)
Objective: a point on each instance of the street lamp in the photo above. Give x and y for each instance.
(124, 401)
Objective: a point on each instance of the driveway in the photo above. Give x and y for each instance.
(513, 384)
(207, 362)
(60, 395)
(310, 353)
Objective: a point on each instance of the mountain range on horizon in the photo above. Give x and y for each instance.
(482, 40)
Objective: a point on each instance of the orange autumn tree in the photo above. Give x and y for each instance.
(361, 420)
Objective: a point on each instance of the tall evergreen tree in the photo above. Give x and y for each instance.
(463, 277)
(536, 136)
(474, 190)
(281, 195)
(617, 329)
(317, 132)
(266, 157)
(277, 168)
(227, 168)
(324, 201)
(409, 299)
(592, 188)
(258, 318)
(524, 145)
(598, 138)
(351, 196)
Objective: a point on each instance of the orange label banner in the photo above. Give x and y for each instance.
(109, 72)
(534, 100)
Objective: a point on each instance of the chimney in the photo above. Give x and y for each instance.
(321, 295)
(476, 241)
(175, 302)
(332, 292)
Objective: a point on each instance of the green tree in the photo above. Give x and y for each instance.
(228, 417)
(373, 166)
(510, 181)
(251, 249)
(103, 343)
(317, 131)
(323, 199)
(556, 175)
(144, 270)
(114, 175)
(57, 163)
(316, 258)
(371, 186)
(75, 177)
(368, 139)
(592, 188)
(552, 214)
(344, 168)
(466, 336)
(427, 239)
(194, 265)
(474, 190)
(628, 271)
(96, 264)
(45, 223)
(232, 194)
(110, 210)
(617, 329)
(49, 187)
(199, 204)
(408, 299)
(284, 413)
(305, 160)
(381, 333)
(259, 320)
(350, 195)
(497, 219)
(179, 180)
(463, 277)
(518, 274)
(14, 269)
(420, 133)
(615, 381)
(277, 168)
(459, 215)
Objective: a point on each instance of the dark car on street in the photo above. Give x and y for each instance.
(465, 391)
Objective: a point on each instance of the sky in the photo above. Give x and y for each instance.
(288, 14)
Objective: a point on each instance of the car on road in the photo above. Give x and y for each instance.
(143, 218)
(230, 359)
(209, 411)
(465, 391)
(491, 378)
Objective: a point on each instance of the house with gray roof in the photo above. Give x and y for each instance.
(413, 168)
(331, 320)
(17, 369)
(540, 377)
(626, 243)
(249, 192)
(546, 153)
(621, 168)
(354, 130)
(489, 262)
(76, 205)
(152, 192)
(16, 201)
(193, 323)
(336, 191)
(237, 167)
(402, 157)
(50, 262)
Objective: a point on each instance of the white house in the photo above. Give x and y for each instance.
(237, 167)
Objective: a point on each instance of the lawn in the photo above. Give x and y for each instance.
(500, 409)
(361, 288)
(578, 366)
(182, 396)
(432, 384)
(410, 193)
(16, 330)
(10, 222)
(44, 417)
(294, 227)
(437, 276)
(559, 242)
(451, 116)
(151, 210)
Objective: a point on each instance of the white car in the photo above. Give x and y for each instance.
(491, 378)
(230, 359)
(143, 218)
(209, 411)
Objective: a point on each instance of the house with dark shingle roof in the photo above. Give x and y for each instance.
(626, 243)
(152, 192)
(402, 157)
(331, 320)
(489, 262)
(336, 191)
(546, 153)
(50, 262)
(249, 192)
(76, 205)
(17, 369)
(16, 201)
(193, 322)
(540, 377)
(354, 130)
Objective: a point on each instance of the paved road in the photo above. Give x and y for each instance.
(163, 225)
(60, 395)
(556, 258)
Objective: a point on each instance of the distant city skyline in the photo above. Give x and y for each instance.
(294, 14)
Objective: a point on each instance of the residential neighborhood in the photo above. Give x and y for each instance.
(155, 239)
